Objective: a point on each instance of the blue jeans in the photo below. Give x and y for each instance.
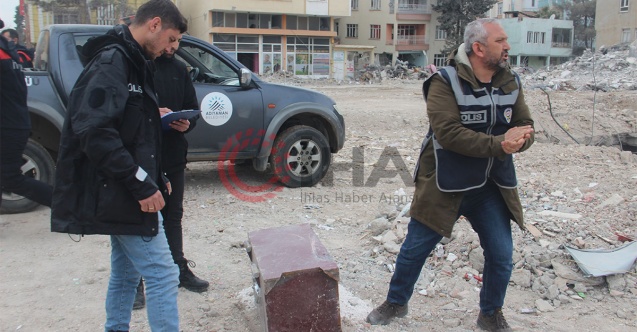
(490, 218)
(133, 256)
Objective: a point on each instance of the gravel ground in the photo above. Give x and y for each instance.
(51, 283)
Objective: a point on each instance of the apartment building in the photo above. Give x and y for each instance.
(397, 29)
(39, 14)
(615, 22)
(270, 35)
(528, 7)
(537, 42)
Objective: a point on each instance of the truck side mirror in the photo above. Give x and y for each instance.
(245, 77)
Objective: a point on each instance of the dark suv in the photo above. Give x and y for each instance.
(243, 118)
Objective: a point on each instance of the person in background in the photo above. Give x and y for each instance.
(15, 129)
(26, 55)
(176, 92)
(108, 175)
(478, 119)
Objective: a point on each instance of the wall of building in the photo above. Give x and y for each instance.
(531, 40)
(197, 12)
(609, 22)
(256, 32)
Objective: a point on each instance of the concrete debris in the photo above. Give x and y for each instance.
(604, 70)
(541, 264)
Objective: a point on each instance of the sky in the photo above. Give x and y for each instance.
(7, 12)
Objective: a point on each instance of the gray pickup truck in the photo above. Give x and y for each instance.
(243, 118)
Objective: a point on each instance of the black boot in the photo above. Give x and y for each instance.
(140, 298)
(188, 280)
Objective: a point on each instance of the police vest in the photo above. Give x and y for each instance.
(485, 110)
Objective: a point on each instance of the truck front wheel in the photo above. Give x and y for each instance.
(38, 164)
(300, 156)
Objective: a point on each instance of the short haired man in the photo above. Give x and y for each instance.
(478, 119)
(26, 55)
(108, 176)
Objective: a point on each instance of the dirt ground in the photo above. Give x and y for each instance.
(50, 282)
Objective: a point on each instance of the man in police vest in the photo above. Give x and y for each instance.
(478, 119)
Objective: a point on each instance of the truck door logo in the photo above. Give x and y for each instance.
(216, 108)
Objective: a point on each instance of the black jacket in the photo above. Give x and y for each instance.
(176, 92)
(13, 90)
(110, 145)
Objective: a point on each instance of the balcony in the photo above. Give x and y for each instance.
(414, 8)
(561, 45)
(413, 12)
(412, 43)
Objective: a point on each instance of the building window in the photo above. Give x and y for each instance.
(375, 5)
(218, 19)
(535, 37)
(625, 35)
(623, 5)
(352, 31)
(440, 34)
(106, 15)
(354, 4)
(66, 18)
(499, 8)
(374, 31)
(439, 60)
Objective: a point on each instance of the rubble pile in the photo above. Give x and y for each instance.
(559, 212)
(401, 70)
(605, 70)
(608, 69)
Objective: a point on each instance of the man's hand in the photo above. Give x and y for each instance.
(164, 110)
(180, 125)
(515, 137)
(153, 203)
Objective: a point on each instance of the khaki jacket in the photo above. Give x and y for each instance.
(432, 207)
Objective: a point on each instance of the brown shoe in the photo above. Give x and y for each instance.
(494, 323)
(386, 312)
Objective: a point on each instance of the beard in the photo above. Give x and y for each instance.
(150, 48)
(497, 63)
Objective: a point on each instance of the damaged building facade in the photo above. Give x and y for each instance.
(397, 29)
(269, 36)
(408, 31)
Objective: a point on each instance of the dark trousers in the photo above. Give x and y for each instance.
(489, 216)
(12, 144)
(172, 212)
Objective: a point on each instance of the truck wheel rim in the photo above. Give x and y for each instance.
(304, 158)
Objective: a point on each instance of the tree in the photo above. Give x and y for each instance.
(456, 14)
(67, 8)
(582, 12)
(547, 12)
(19, 24)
